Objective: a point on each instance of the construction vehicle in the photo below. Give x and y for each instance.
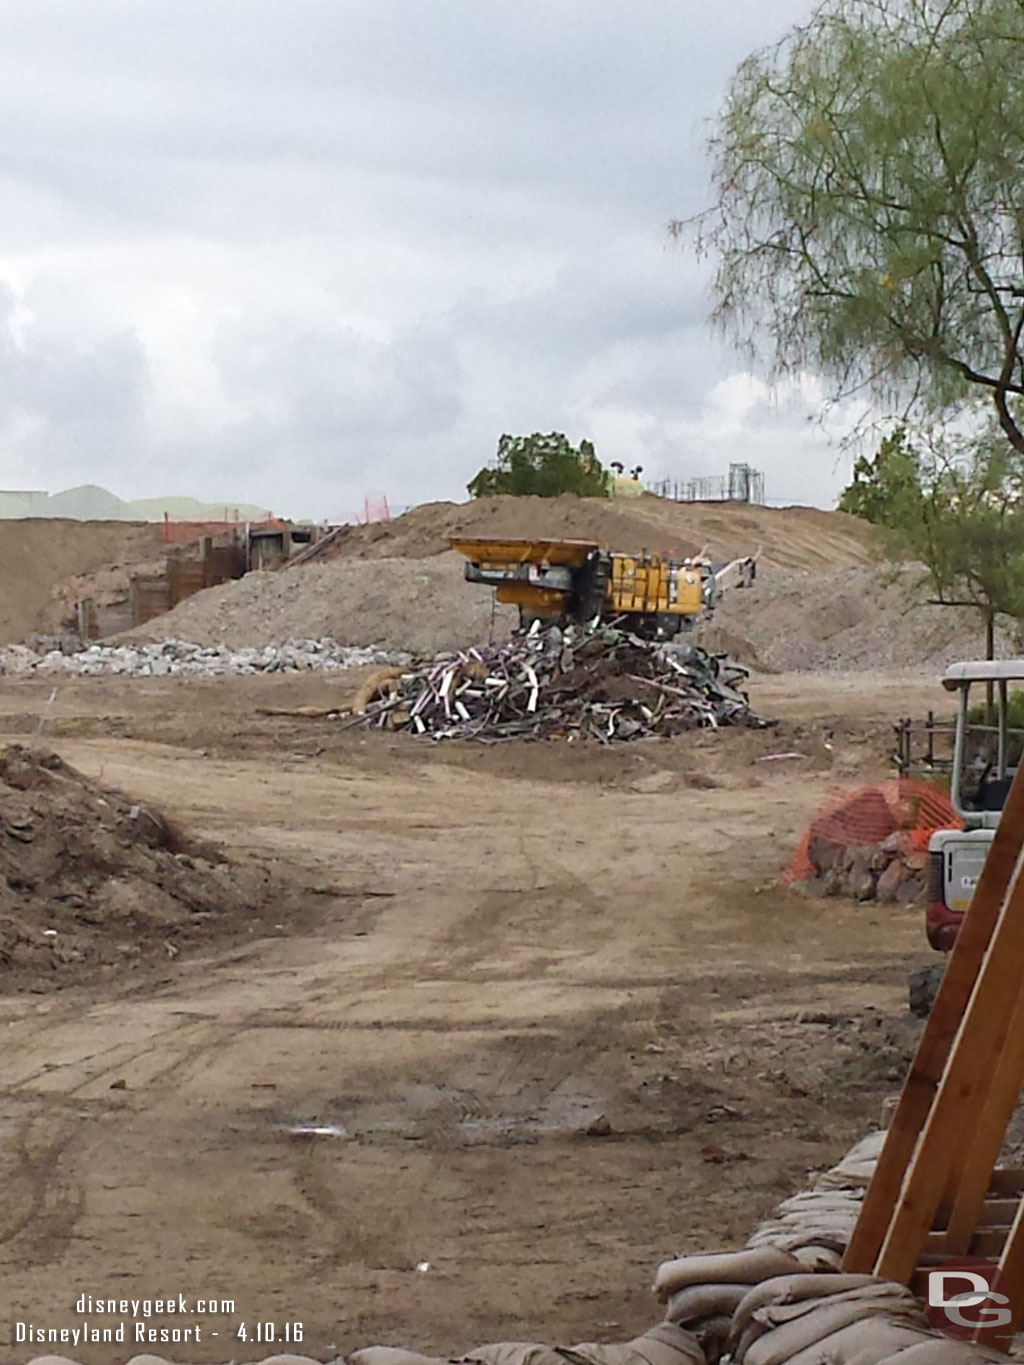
(558, 581)
(985, 758)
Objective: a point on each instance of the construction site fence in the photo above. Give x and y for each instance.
(741, 484)
(909, 809)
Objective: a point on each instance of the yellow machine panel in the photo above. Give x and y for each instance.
(650, 584)
(552, 580)
(490, 553)
(538, 601)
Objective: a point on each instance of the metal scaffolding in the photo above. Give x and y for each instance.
(742, 484)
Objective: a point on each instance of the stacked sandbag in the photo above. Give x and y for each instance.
(665, 1344)
(702, 1292)
(815, 1226)
(160, 1360)
(822, 1319)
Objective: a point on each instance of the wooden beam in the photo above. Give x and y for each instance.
(998, 1212)
(968, 1200)
(936, 1042)
(988, 1242)
(1011, 1267)
(964, 1089)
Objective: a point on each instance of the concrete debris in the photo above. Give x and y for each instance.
(181, 658)
(872, 844)
(597, 683)
(885, 872)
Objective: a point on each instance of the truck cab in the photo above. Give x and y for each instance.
(985, 759)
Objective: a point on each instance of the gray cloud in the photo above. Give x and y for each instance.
(287, 254)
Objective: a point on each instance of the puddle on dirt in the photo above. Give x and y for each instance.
(325, 1130)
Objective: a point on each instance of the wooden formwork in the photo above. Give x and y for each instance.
(937, 1193)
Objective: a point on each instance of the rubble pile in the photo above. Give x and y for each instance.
(598, 683)
(180, 657)
(872, 844)
(888, 872)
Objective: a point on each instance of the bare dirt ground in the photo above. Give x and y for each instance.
(554, 1003)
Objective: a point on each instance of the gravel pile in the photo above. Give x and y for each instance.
(180, 657)
(846, 619)
(827, 619)
(420, 605)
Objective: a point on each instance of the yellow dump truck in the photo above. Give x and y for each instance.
(576, 580)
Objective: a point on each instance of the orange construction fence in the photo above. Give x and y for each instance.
(911, 810)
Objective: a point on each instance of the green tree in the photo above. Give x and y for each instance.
(886, 490)
(543, 466)
(956, 505)
(869, 223)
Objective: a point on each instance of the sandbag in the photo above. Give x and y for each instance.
(782, 1343)
(391, 1355)
(881, 1291)
(770, 1306)
(513, 1353)
(819, 1257)
(699, 1301)
(797, 1288)
(863, 1343)
(282, 1360)
(817, 1199)
(726, 1267)
(663, 1344)
(944, 1351)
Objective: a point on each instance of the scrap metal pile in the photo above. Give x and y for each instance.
(597, 683)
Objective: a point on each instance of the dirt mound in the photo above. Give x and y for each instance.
(789, 620)
(91, 879)
(396, 584)
(795, 537)
(38, 556)
(845, 618)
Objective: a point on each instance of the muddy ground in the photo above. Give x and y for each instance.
(552, 1007)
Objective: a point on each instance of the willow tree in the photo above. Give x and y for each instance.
(955, 505)
(869, 218)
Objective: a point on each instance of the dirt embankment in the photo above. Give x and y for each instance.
(821, 601)
(397, 584)
(795, 537)
(38, 556)
(838, 619)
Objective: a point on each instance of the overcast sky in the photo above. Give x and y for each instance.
(298, 253)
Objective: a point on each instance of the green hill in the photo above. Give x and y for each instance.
(191, 509)
(89, 502)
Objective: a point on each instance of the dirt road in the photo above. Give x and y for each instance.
(552, 1020)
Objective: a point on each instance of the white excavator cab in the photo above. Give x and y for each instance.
(986, 753)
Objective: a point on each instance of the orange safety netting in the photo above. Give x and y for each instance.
(908, 810)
